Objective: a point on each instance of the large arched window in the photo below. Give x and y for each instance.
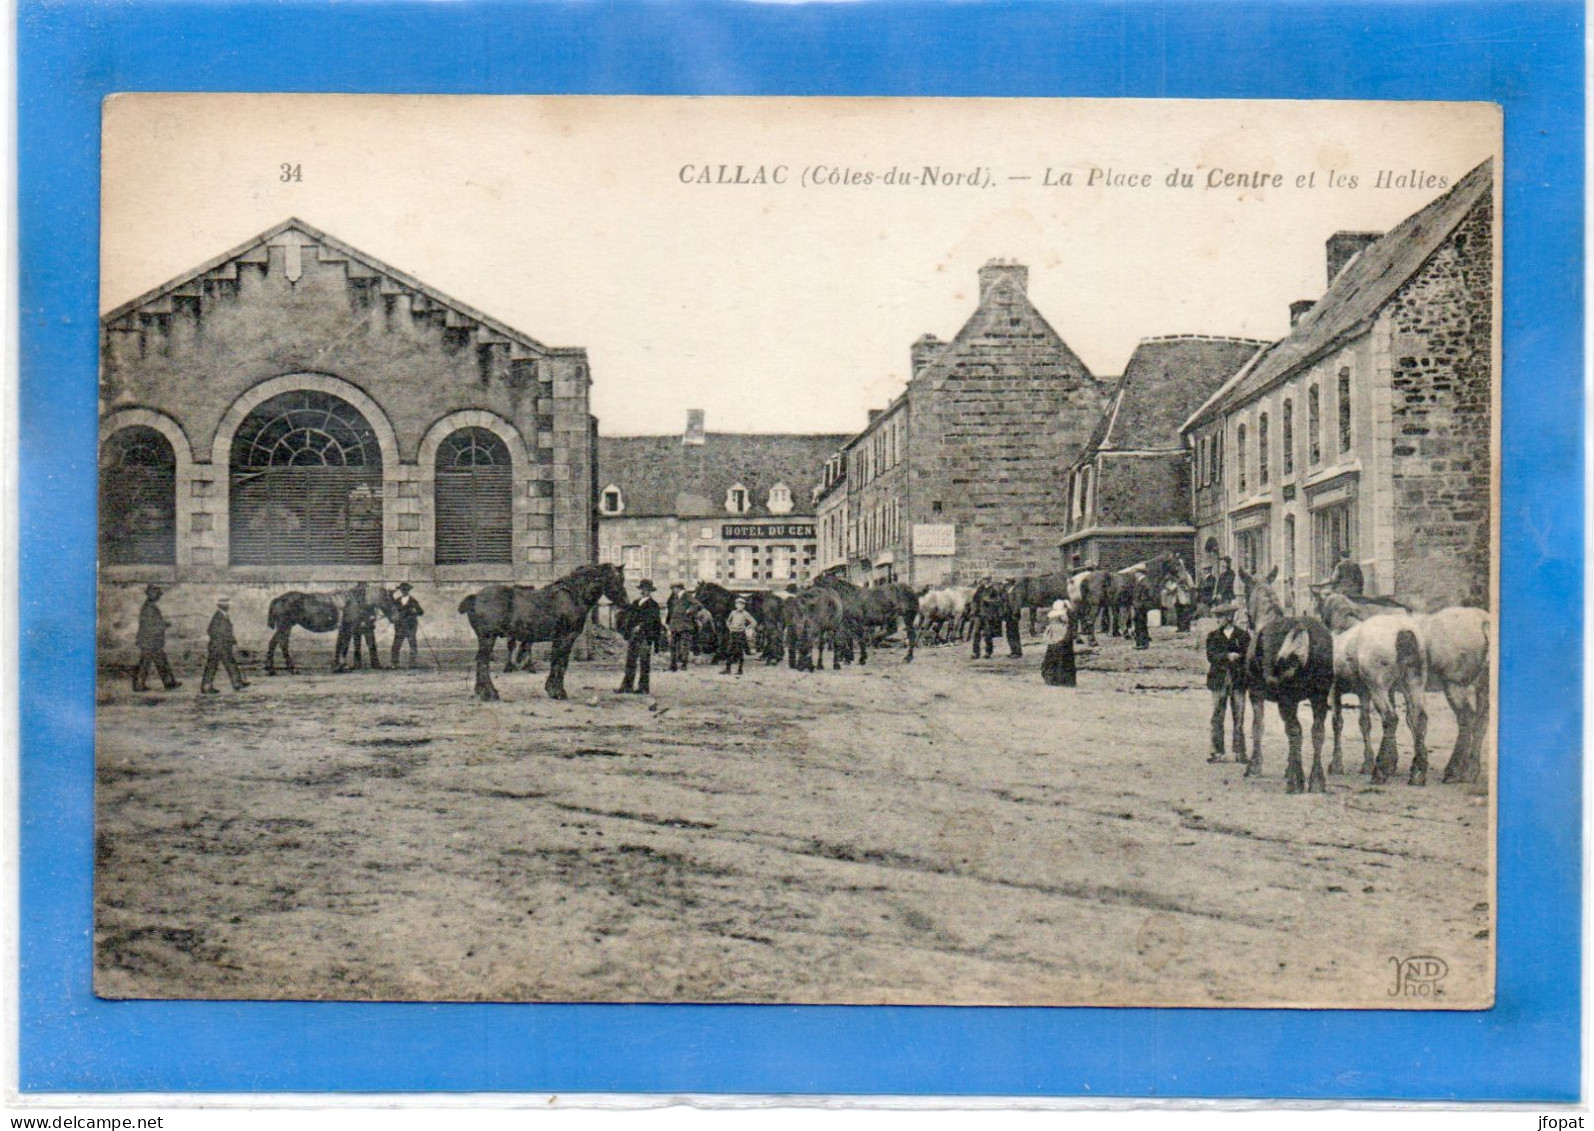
(475, 499)
(138, 498)
(306, 475)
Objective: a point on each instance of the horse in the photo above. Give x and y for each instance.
(1040, 591)
(1455, 643)
(1088, 591)
(815, 617)
(1373, 659)
(556, 613)
(939, 610)
(320, 612)
(1289, 659)
(880, 608)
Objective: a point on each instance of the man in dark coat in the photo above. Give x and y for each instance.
(989, 609)
(357, 625)
(643, 628)
(1347, 577)
(681, 619)
(1015, 645)
(1144, 600)
(1224, 591)
(1226, 648)
(1206, 591)
(152, 626)
(407, 613)
(219, 652)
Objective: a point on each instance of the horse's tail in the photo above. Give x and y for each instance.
(468, 605)
(1409, 658)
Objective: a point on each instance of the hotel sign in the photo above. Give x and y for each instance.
(746, 531)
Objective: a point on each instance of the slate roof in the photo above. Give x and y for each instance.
(661, 476)
(1360, 291)
(393, 281)
(1167, 379)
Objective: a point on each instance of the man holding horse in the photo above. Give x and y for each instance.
(643, 628)
(1226, 648)
(407, 612)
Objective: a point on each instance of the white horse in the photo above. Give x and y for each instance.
(941, 610)
(1373, 659)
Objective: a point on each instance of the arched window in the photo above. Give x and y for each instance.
(475, 499)
(780, 499)
(612, 501)
(138, 498)
(306, 478)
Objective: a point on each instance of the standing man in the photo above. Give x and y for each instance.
(643, 629)
(1206, 591)
(152, 626)
(1015, 645)
(988, 609)
(740, 631)
(1226, 648)
(1347, 577)
(407, 612)
(219, 652)
(356, 625)
(1144, 600)
(681, 619)
(1224, 591)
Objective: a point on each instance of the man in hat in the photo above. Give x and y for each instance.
(989, 608)
(1206, 591)
(407, 612)
(1347, 578)
(219, 652)
(1223, 590)
(1226, 648)
(152, 626)
(740, 629)
(642, 628)
(680, 615)
(1010, 598)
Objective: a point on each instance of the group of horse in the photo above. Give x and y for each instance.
(1376, 650)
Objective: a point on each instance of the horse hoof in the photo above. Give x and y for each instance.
(1417, 778)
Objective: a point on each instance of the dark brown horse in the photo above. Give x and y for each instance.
(320, 612)
(1039, 592)
(815, 618)
(1290, 659)
(556, 614)
(880, 609)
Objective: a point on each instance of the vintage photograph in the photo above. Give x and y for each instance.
(915, 551)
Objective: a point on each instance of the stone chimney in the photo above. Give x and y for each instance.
(1345, 246)
(874, 415)
(694, 427)
(1299, 309)
(923, 353)
(995, 270)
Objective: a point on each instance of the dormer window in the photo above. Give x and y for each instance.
(780, 499)
(611, 501)
(736, 499)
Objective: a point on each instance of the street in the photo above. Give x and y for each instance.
(945, 832)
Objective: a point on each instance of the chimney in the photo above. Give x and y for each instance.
(874, 415)
(694, 427)
(923, 353)
(995, 270)
(1345, 246)
(1299, 309)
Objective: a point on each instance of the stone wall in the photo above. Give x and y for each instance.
(1440, 344)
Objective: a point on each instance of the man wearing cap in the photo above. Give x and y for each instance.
(407, 612)
(152, 626)
(642, 628)
(1226, 647)
(740, 629)
(219, 652)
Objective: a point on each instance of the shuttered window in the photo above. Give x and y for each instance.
(475, 499)
(306, 484)
(138, 499)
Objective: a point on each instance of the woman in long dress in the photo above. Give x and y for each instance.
(1057, 669)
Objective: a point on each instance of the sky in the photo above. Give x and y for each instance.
(787, 305)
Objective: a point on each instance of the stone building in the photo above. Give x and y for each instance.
(1368, 430)
(295, 414)
(1129, 494)
(736, 509)
(963, 473)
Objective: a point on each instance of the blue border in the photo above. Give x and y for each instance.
(1526, 55)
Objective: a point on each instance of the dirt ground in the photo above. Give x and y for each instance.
(942, 832)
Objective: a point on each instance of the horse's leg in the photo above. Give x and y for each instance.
(1258, 702)
(287, 656)
(1417, 720)
(1480, 728)
(913, 637)
(485, 691)
(1294, 775)
(1336, 765)
(1319, 716)
(271, 652)
(559, 658)
(1378, 699)
(1461, 704)
(1364, 722)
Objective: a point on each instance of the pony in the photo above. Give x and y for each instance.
(556, 613)
(815, 617)
(1373, 659)
(1455, 643)
(320, 612)
(1289, 659)
(879, 609)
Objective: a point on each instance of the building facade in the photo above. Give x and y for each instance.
(963, 474)
(295, 414)
(735, 509)
(1368, 432)
(1129, 494)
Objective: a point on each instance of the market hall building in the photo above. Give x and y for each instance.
(296, 414)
